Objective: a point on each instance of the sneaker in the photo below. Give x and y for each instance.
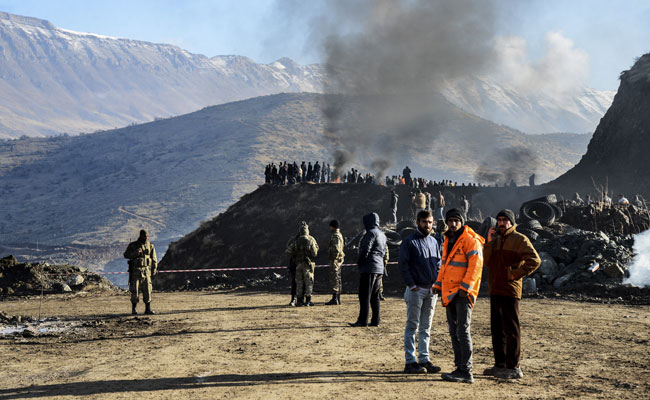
(458, 376)
(414, 368)
(492, 371)
(432, 369)
(293, 302)
(509, 373)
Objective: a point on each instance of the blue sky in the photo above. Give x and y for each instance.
(611, 33)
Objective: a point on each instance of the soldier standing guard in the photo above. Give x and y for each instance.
(336, 257)
(303, 250)
(143, 263)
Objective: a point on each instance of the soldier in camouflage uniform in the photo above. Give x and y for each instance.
(336, 257)
(143, 263)
(303, 250)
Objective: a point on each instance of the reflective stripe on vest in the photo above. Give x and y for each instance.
(458, 264)
(471, 253)
(465, 286)
(451, 296)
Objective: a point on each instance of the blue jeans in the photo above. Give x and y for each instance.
(441, 214)
(419, 314)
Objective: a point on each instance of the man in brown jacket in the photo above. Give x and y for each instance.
(509, 256)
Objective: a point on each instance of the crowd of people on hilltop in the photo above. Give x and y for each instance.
(289, 174)
(286, 173)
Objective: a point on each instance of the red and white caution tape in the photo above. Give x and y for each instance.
(226, 269)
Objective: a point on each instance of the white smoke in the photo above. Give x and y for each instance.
(640, 268)
(559, 74)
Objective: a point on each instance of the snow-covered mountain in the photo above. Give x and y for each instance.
(54, 80)
(533, 112)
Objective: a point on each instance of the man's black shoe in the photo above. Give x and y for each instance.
(133, 310)
(308, 302)
(148, 309)
(357, 324)
(414, 368)
(458, 376)
(432, 369)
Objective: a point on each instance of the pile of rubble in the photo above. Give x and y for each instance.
(18, 278)
(584, 248)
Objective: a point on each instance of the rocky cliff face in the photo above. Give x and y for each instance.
(617, 156)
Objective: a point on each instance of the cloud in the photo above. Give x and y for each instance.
(559, 73)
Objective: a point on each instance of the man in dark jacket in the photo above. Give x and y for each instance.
(371, 267)
(419, 264)
(509, 256)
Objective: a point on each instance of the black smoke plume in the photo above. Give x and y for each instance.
(385, 60)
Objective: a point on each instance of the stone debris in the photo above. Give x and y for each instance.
(18, 278)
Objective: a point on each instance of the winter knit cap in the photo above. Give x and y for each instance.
(335, 224)
(508, 214)
(455, 213)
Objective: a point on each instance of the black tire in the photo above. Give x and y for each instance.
(486, 225)
(475, 225)
(539, 210)
(550, 198)
(406, 232)
(393, 243)
(405, 224)
(392, 236)
(531, 224)
(532, 235)
(558, 212)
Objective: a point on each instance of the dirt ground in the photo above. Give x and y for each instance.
(242, 344)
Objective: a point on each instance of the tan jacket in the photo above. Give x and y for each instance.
(509, 258)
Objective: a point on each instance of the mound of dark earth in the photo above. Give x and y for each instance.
(18, 278)
(254, 232)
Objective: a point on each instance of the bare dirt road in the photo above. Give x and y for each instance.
(250, 345)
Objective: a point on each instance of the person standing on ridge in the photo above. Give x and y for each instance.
(336, 257)
(371, 267)
(509, 256)
(143, 264)
(458, 284)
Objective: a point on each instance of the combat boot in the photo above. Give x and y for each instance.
(148, 309)
(332, 302)
(292, 303)
(133, 310)
(308, 302)
(301, 302)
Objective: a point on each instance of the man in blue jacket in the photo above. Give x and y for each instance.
(371, 268)
(419, 264)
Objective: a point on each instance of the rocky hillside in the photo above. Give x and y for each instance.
(81, 199)
(53, 80)
(254, 232)
(617, 154)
